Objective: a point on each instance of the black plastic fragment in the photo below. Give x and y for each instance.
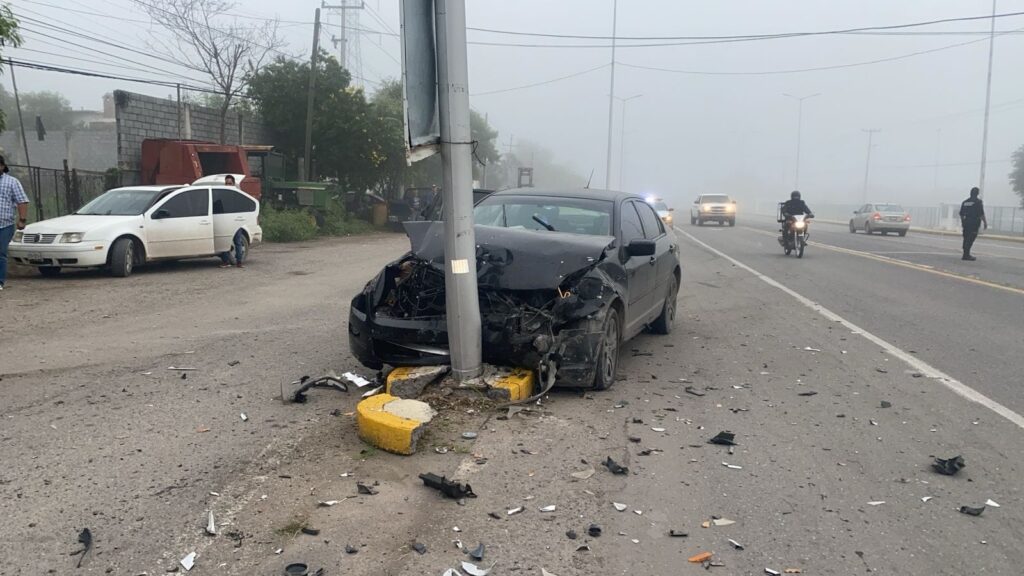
(594, 531)
(886, 404)
(477, 553)
(614, 467)
(724, 438)
(351, 549)
(85, 539)
(971, 511)
(366, 490)
(678, 534)
(420, 549)
(694, 391)
(571, 534)
(310, 531)
(447, 487)
(807, 393)
(950, 466)
(494, 515)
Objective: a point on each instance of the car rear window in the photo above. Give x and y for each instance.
(889, 208)
(714, 199)
(547, 213)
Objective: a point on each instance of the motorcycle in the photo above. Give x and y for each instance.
(795, 234)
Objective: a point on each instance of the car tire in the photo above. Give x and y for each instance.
(902, 233)
(700, 222)
(122, 257)
(245, 248)
(693, 221)
(853, 229)
(608, 356)
(49, 271)
(663, 323)
(885, 232)
(732, 222)
(867, 228)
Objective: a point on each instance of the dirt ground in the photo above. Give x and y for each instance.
(98, 431)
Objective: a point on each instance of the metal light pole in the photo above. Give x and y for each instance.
(461, 300)
(622, 138)
(988, 100)
(611, 99)
(799, 132)
(867, 166)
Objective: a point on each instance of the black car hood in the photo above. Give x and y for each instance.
(516, 259)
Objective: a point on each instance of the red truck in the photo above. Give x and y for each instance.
(166, 161)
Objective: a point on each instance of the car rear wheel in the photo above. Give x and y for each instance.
(608, 355)
(663, 323)
(867, 228)
(700, 222)
(693, 221)
(122, 257)
(50, 271)
(903, 233)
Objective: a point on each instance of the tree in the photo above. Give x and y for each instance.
(52, 107)
(228, 52)
(1017, 175)
(8, 37)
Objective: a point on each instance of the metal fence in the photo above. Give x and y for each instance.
(59, 191)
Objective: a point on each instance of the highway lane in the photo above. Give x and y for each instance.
(925, 301)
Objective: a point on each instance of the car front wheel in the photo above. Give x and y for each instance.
(122, 257)
(853, 229)
(608, 354)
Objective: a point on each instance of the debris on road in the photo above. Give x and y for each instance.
(295, 392)
(876, 503)
(366, 490)
(474, 570)
(807, 393)
(926, 498)
(419, 548)
(393, 424)
(809, 349)
(327, 503)
(772, 572)
(372, 392)
(594, 531)
(544, 572)
(514, 511)
(309, 531)
(469, 435)
(694, 391)
(85, 539)
(548, 508)
(614, 467)
(886, 404)
(410, 382)
(701, 558)
(677, 534)
(658, 429)
(732, 466)
(971, 511)
(356, 379)
(188, 561)
(735, 544)
(991, 503)
(351, 549)
(949, 467)
(477, 553)
(583, 474)
(296, 569)
(234, 363)
(211, 528)
(447, 487)
(619, 506)
(724, 438)
(792, 571)
(181, 369)
(243, 417)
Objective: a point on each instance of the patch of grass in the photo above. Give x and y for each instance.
(338, 222)
(287, 225)
(292, 528)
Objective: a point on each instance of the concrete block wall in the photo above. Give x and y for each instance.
(140, 117)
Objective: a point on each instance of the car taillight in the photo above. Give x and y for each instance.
(906, 217)
(876, 216)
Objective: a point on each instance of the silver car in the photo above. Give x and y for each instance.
(883, 218)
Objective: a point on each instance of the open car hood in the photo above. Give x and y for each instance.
(516, 259)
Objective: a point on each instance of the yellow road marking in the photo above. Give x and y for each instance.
(906, 264)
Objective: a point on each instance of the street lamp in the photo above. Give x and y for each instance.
(622, 136)
(799, 131)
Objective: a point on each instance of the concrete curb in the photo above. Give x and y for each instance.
(512, 385)
(409, 382)
(385, 430)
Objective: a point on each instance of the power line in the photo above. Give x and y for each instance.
(47, 67)
(800, 70)
(99, 62)
(551, 81)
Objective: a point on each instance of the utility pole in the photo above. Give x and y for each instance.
(342, 42)
(799, 132)
(622, 138)
(178, 86)
(483, 169)
(988, 100)
(611, 99)
(461, 299)
(24, 141)
(867, 166)
(308, 161)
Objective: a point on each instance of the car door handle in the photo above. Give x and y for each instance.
(240, 219)
(204, 222)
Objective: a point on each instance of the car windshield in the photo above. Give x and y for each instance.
(553, 214)
(714, 199)
(889, 208)
(121, 202)
(660, 206)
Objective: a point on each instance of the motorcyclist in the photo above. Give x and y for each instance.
(793, 207)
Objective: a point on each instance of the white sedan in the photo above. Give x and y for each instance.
(127, 227)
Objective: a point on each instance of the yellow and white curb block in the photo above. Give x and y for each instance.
(393, 424)
(409, 382)
(510, 384)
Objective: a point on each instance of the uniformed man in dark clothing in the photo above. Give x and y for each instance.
(972, 216)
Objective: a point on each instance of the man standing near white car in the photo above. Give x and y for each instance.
(13, 213)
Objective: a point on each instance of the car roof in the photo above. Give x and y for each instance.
(147, 188)
(588, 193)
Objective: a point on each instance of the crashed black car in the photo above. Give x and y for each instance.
(564, 278)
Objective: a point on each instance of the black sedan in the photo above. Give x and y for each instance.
(565, 277)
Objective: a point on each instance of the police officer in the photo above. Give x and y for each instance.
(972, 216)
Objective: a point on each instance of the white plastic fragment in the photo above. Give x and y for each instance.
(327, 503)
(723, 522)
(188, 561)
(372, 392)
(450, 572)
(214, 493)
(456, 529)
(991, 503)
(732, 466)
(474, 570)
(211, 528)
(548, 508)
(638, 512)
(658, 429)
(926, 498)
(620, 507)
(544, 572)
(356, 379)
(278, 551)
(583, 474)
(635, 541)
(876, 503)
(809, 349)
(516, 510)
(772, 572)
(243, 417)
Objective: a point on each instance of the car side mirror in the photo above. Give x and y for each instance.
(160, 214)
(641, 247)
(671, 209)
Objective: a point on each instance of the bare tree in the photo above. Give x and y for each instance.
(210, 41)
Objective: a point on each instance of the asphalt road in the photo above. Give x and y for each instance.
(98, 433)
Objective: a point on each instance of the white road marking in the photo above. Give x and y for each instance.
(917, 364)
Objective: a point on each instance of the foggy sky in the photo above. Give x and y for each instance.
(692, 133)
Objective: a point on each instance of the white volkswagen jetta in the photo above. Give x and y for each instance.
(126, 227)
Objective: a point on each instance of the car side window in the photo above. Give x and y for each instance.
(226, 201)
(652, 224)
(188, 204)
(630, 224)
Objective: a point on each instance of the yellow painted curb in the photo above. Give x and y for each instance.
(385, 430)
(411, 380)
(515, 385)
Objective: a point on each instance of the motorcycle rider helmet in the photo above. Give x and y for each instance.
(795, 195)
